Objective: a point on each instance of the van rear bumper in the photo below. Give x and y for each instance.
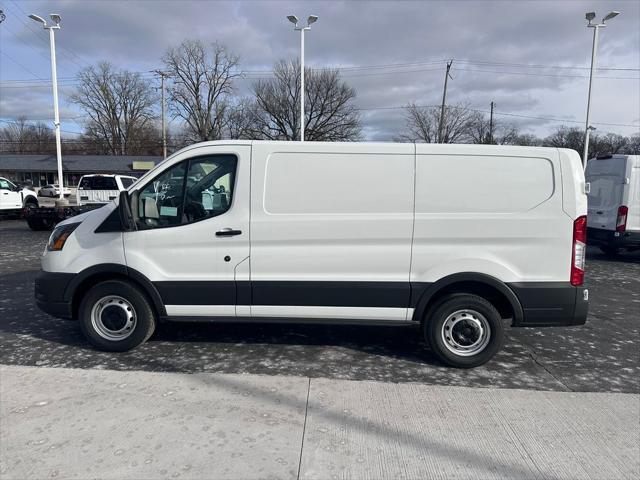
(609, 238)
(49, 290)
(549, 304)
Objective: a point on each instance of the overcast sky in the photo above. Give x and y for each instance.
(530, 58)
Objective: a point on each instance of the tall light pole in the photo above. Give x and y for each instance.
(594, 54)
(55, 18)
(293, 19)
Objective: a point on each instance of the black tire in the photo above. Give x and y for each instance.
(434, 329)
(141, 330)
(40, 224)
(611, 251)
(31, 203)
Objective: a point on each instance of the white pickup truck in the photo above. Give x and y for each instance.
(14, 198)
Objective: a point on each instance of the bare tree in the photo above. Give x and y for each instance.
(633, 145)
(422, 124)
(202, 84)
(527, 140)
(607, 144)
(566, 137)
(241, 120)
(482, 130)
(599, 144)
(21, 136)
(330, 114)
(119, 105)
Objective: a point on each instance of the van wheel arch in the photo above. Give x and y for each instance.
(482, 285)
(90, 277)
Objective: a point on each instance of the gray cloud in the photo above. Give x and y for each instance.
(134, 35)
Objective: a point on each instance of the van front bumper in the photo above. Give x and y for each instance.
(609, 238)
(549, 304)
(49, 290)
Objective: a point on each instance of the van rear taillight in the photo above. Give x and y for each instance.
(621, 221)
(579, 250)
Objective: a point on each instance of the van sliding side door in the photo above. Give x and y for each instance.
(331, 228)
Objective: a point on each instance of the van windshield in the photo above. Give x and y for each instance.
(98, 183)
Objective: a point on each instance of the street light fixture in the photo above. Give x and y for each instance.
(594, 50)
(293, 19)
(54, 80)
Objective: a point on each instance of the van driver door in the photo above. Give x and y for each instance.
(192, 240)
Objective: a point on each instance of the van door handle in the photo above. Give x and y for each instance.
(599, 212)
(228, 232)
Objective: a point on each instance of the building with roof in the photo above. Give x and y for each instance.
(41, 170)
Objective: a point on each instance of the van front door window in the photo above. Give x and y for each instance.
(188, 192)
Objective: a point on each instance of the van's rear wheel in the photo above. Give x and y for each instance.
(464, 330)
(116, 316)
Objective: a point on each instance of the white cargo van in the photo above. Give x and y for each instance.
(614, 202)
(454, 239)
(102, 188)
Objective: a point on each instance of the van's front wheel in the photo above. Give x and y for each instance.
(464, 330)
(116, 316)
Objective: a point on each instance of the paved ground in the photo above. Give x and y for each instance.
(601, 356)
(165, 425)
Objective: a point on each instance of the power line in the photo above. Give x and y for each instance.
(267, 73)
(564, 75)
(48, 128)
(551, 119)
(507, 114)
(527, 65)
(66, 50)
(25, 43)
(73, 81)
(19, 64)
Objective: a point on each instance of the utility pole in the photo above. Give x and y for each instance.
(491, 125)
(163, 75)
(444, 99)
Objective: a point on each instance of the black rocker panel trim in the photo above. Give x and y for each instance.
(329, 294)
(197, 292)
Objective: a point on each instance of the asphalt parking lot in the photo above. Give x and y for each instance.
(601, 356)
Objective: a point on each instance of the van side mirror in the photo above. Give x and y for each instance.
(124, 212)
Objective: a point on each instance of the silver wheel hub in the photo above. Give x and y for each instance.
(466, 332)
(113, 318)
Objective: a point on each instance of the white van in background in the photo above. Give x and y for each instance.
(101, 188)
(453, 239)
(614, 202)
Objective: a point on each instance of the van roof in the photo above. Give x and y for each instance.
(436, 147)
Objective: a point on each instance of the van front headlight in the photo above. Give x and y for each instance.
(59, 236)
